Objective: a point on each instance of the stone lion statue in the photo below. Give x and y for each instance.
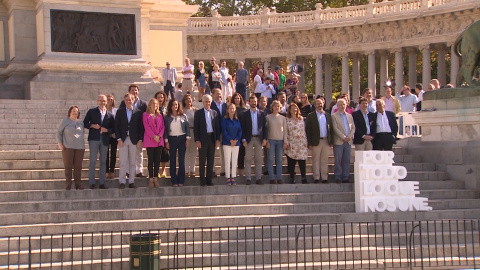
(467, 46)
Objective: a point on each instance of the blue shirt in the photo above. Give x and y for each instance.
(365, 116)
(322, 122)
(345, 123)
(208, 119)
(231, 130)
(219, 106)
(372, 106)
(254, 116)
(129, 114)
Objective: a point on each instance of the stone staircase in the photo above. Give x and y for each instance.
(33, 203)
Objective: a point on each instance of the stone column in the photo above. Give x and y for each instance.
(427, 69)
(412, 67)
(371, 72)
(318, 75)
(355, 76)
(455, 64)
(345, 75)
(398, 69)
(266, 64)
(328, 79)
(442, 65)
(383, 71)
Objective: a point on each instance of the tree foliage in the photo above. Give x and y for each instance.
(252, 7)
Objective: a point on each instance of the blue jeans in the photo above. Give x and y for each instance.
(94, 147)
(342, 161)
(276, 148)
(177, 143)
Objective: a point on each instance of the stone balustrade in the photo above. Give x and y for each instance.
(385, 9)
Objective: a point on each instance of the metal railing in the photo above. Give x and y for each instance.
(360, 245)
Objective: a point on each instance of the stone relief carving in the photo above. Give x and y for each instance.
(91, 32)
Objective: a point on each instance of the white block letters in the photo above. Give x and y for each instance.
(377, 188)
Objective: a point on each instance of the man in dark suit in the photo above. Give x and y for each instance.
(221, 108)
(141, 106)
(206, 129)
(254, 138)
(362, 139)
(319, 138)
(100, 124)
(129, 133)
(384, 128)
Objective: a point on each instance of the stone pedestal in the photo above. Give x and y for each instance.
(451, 133)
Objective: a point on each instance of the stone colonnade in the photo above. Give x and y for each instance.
(403, 28)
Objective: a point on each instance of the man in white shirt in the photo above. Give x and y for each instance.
(169, 76)
(187, 71)
(282, 97)
(267, 90)
(257, 83)
(384, 128)
(407, 101)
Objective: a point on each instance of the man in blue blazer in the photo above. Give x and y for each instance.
(206, 129)
(254, 138)
(141, 106)
(129, 133)
(384, 128)
(100, 124)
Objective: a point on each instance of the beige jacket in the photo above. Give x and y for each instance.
(339, 130)
(396, 105)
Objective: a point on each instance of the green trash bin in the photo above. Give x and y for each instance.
(145, 251)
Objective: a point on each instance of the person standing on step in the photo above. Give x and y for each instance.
(221, 108)
(177, 133)
(231, 136)
(100, 124)
(165, 157)
(153, 139)
(277, 141)
(191, 154)
(254, 138)
(297, 149)
(112, 144)
(72, 143)
(188, 76)
(142, 106)
(207, 137)
(343, 130)
(384, 128)
(129, 132)
(363, 127)
(169, 76)
(319, 137)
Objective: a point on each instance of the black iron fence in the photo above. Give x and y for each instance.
(393, 244)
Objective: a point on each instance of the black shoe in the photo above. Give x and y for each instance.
(265, 173)
(304, 181)
(292, 181)
(210, 184)
(103, 187)
(259, 182)
(324, 181)
(279, 182)
(345, 181)
(92, 186)
(338, 181)
(222, 174)
(249, 182)
(214, 175)
(316, 181)
(273, 182)
(202, 184)
(122, 186)
(131, 185)
(139, 175)
(128, 175)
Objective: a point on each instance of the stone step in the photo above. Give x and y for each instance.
(236, 220)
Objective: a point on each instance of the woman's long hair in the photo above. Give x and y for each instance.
(157, 110)
(234, 115)
(170, 105)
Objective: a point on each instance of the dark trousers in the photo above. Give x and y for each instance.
(383, 141)
(72, 160)
(242, 90)
(153, 154)
(169, 88)
(291, 167)
(112, 155)
(207, 154)
(177, 143)
(241, 157)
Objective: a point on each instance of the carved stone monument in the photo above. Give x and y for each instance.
(467, 46)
